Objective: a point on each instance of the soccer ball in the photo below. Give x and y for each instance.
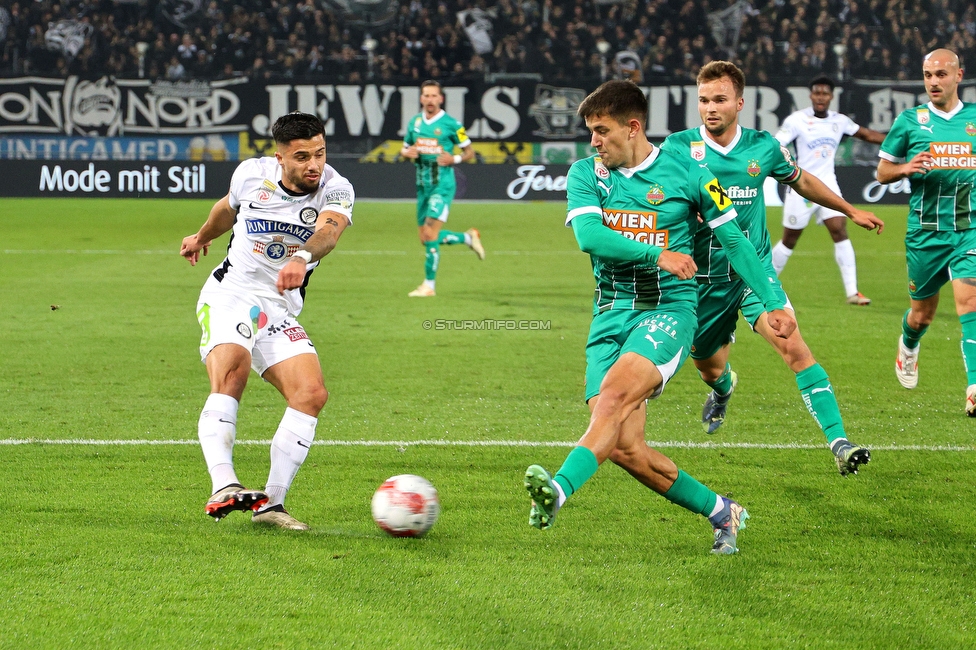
(406, 506)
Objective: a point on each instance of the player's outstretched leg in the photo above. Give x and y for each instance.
(473, 240)
(713, 413)
(545, 497)
(818, 396)
(234, 497)
(849, 456)
(726, 524)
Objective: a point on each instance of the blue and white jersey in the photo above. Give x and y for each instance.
(816, 139)
(272, 223)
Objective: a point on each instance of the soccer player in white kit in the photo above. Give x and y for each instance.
(287, 213)
(817, 131)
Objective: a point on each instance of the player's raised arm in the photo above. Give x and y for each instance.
(221, 220)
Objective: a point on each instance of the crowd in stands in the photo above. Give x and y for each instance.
(561, 41)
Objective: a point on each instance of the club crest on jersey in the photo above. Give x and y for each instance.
(600, 169)
(655, 194)
(922, 115)
(753, 168)
(970, 129)
(698, 150)
(308, 216)
(911, 285)
(437, 131)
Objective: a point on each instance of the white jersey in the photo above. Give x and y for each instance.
(272, 223)
(816, 139)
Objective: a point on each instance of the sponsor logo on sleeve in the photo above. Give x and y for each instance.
(787, 156)
(718, 194)
(341, 198)
(462, 135)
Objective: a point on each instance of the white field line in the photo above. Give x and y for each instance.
(12, 251)
(658, 444)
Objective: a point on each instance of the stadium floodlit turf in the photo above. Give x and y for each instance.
(106, 544)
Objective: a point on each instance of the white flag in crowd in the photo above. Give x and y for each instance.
(477, 25)
(67, 36)
(727, 23)
(4, 23)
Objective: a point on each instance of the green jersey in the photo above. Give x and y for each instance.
(656, 203)
(942, 198)
(741, 167)
(433, 137)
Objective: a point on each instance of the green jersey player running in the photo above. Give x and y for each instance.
(742, 159)
(430, 140)
(634, 209)
(936, 140)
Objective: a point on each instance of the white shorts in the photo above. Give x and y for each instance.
(263, 327)
(797, 210)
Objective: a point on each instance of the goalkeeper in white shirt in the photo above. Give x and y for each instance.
(816, 132)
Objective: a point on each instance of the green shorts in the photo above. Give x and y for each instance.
(662, 336)
(935, 258)
(434, 202)
(718, 311)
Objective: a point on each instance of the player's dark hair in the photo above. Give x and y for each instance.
(618, 99)
(822, 80)
(431, 82)
(296, 126)
(715, 70)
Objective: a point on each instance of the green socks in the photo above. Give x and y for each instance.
(691, 495)
(818, 395)
(910, 336)
(969, 345)
(723, 385)
(433, 258)
(578, 467)
(448, 237)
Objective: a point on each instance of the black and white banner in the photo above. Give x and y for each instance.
(367, 114)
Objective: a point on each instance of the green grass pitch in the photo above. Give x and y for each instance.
(107, 545)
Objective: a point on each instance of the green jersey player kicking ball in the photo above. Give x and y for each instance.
(932, 145)
(742, 159)
(634, 209)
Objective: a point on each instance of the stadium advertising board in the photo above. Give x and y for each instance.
(114, 179)
(367, 114)
(176, 179)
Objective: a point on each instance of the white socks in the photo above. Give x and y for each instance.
(844, 254)
(430, 283)
(781, 255)
(289, 448)
(217, 430)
